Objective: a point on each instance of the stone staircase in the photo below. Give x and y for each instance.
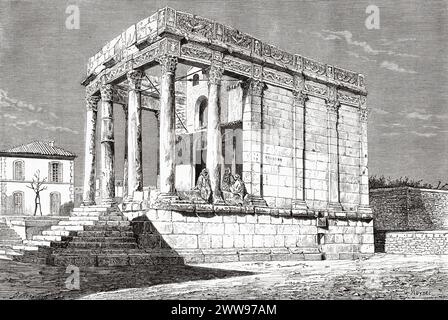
(8, 239)
(92, 236)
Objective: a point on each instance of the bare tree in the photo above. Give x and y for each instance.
(37, 186)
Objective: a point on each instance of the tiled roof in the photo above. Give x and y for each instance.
(45, 148)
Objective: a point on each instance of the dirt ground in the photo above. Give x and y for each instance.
(380, 277)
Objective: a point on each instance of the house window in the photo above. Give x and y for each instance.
(19, 170)
(195, 79)
(55, 172)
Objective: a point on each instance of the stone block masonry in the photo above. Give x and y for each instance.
(218, 237)
(417, 242)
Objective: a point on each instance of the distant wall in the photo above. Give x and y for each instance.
(409, 209)
(417, 242)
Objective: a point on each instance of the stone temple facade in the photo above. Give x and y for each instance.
(265, 159)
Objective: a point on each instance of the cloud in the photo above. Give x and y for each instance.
(380, 111)
(424, 134)
(357, 55)
(391, 134)
(419, 116)
(392, 66)
(20, 115)
(367, 48)
(20, 125)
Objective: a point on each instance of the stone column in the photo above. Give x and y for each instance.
(90, 150)
(363, 161)
(214, 143)
(125, 160)
(134, 138)
(167, 131)
(333, 155)
(107, 146)
(299, 99)
(252, 143)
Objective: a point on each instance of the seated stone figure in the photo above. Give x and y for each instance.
(236, 193)
(203, 186)
(227, 180)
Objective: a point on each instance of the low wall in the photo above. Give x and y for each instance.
(408, 208)
(417, 242)
(26, 227)
(218, 237)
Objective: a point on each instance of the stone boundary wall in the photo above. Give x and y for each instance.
(417, 242)
(221, 237)
(408, 208)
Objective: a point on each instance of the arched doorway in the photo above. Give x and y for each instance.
(55, 203)
(18, 202)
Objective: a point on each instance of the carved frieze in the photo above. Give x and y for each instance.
(314, 66)
(146, 56)
(348, 98)
(169, 46)
(237, 66)
(237, 38)
(191, 24)
(135, 79)
(277, 77)
(346, 76)
(117, 71)
(278, 55)
(93, 87)
(195, 52)
(364, 114)
(315, 89)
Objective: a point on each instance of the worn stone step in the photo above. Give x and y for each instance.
(93, 245)
(107, 228)
(25, 247)
(104, 239)
(67, 228)
(36, 243)
(92, 209)
(10, 242)
(113, 223)
(84, 218)
(77, 223)
(51, 238)
(58, 233)
(109, 233)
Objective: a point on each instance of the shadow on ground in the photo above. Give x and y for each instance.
(36, 282)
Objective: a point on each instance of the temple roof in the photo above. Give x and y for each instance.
(38, 149)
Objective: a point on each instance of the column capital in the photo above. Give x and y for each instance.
(333, 106)
(215, 73)
(106, 91)
(255, 87)
(168, 63)
(299, 97)
(135, 79)
(364, 114)
(92, 103)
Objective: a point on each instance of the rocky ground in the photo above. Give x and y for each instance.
(380, 277)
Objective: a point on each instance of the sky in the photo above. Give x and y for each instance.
(405, 63)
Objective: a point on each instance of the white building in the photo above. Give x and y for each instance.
(21, 164)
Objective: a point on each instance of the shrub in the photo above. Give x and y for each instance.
(377, 182)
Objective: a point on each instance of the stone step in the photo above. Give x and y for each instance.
(25, 248)
(107, 228)
(11, 242)
(95, 245)
(113, 223)
(84, 218)
(104, 239)
(58, 233)
(9, 252)
(92, 209)
(50, 238)
(45, 243)
(67, 228)
(77, 223)
(105, 234)
(117, 260)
